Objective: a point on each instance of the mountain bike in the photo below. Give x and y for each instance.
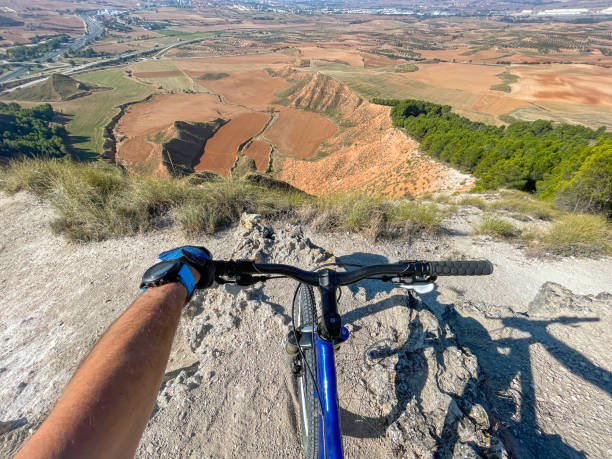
(314, 337)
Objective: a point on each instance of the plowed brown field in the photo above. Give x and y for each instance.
(575, 84)
(259, 151)
(164, 109)
(220, 150)
(351, 57)
(373, 61)
(136, 149)
(458, 54)
(204, 64)
(256, 89)
(297, 133)
(474, 78)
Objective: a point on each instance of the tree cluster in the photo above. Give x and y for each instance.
(29, 132)
(569, 163)
(23, 52)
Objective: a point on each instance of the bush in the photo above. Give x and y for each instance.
(473, 201)
(521, 203)
(579, 235)
(498, 227)
(97, 201)
(374, 217)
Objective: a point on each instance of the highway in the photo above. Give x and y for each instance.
(158, 50)
(93, 31)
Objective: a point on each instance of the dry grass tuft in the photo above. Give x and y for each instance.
(473, 201)
(579, 235)
(522, 203)
(98, 201)
(498, 227)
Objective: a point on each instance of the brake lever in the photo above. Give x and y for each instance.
(244, 280)
(418, 285)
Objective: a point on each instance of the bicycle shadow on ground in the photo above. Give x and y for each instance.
(371, 286)
(502, 362)
(507, 367)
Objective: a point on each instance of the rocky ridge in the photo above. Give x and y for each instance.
(324, 93)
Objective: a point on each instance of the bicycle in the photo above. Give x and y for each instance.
(313, 339)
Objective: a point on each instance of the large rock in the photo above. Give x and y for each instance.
(258, 240)
(554, 299)
(438, 386)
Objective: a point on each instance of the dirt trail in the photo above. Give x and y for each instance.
(226, 390)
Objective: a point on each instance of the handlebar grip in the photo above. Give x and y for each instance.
(461, 268)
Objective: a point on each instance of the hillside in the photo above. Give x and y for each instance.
(480, 367)
(325, 94)
(181, 153)
(56, 88)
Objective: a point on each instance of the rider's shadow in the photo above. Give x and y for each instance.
(508, 376)
(502, 362)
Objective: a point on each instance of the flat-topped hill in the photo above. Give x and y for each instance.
(56, 88)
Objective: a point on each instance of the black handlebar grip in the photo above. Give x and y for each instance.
(461, 268)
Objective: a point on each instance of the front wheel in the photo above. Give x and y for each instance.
(305, 311)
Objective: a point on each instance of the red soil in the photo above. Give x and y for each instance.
(255, 89)
(373, 158)
(297, 133)
(259, 151)
(350, 56)
(474, 78)
(164, 109)
(220, 150)
(575, 84)
(136, 149)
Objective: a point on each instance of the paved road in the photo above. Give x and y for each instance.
(93, 31)
(158, 50)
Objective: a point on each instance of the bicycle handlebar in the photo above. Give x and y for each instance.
(402, 269)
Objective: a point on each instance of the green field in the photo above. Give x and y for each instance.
(88, 115)
(169, 83)
(507, 79)
(371, 83)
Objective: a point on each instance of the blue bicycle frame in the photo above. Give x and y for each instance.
(330, 438)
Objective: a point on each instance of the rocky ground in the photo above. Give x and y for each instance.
(515, 364)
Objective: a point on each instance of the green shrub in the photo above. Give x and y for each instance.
(473, 201)
(521, 203)
(498, 227)
(374, 217)
(98, 201)
(579, 235)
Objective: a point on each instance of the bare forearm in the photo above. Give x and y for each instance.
(106, 406)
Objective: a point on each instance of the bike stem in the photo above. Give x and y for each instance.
(330, 326)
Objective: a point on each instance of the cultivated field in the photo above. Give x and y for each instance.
(298, 133)
(294, 90)
(88, 115)
(220, 151)
(259, 151)
(256, 88)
